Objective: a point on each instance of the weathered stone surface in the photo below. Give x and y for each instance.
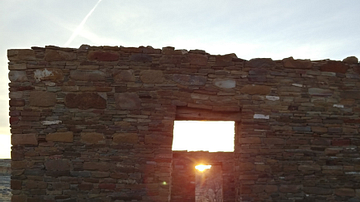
(57, 55)
(255, 89)
(140, 57)
(21, 54)
(85, 101)
(92, 138)
(334, 66)
(225, 60)
(129, 138)
(103, 55)
(84, 75)
(290, 188)
(57, 165)
(260, 63)
(124, 76)
(225, 83)
(320, 92)
(189, 79)
(99, 166)
(42, 98)
(109, 123)
(127, 101)
(24, 139)
(345, 192)
(317, 190)
(151, 76)
(198, 59)
(60, 137)
(157, 139)
(274, 141)
(48, 74)
(309, 168)
(17, 76)
(350, 94)
(351, 60)
(298, 64)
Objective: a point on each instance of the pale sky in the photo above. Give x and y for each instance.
(277, 29)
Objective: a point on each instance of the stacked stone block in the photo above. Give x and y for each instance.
(95, 123)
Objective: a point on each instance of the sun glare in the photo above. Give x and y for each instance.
(212, 136)
(202, 167)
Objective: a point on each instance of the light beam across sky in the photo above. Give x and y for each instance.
(81, 25)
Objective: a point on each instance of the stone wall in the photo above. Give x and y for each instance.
(95, 123)
(5, 174)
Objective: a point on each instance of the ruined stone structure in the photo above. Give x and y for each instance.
(96, 123)
(5, 191)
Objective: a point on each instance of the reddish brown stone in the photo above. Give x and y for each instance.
(224, 60)
(103, 56)
(152, 76)
(92, 137)
(99, 166)
(16, 103)
(107, 186)
(130, 138)
(334, 66)
(250, 140)
(341, 142)
(124, 76)
(298, 64)
(58, 55)
(86, 186)
(24, 139)
(16, 184)
(85, 101)
(60, 137)
(198, 59)
(18, 198)
(290, 188)
(127, 101)
(345, 192)
(42, 98)
(255, 89)
(273, 141)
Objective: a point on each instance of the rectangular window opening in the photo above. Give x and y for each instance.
(212, 136)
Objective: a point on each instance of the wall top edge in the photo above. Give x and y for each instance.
(168, 50)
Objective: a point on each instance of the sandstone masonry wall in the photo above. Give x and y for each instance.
(95, 123)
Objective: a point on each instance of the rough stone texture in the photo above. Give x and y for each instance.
(152, 76)
(85, 101)
(92, 138)
(60, 137)
(96, 124)
(48, 74)
(42, 98)
(127, 101)
(24, 139)
(129, 138)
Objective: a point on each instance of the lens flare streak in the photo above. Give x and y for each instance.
(202, 167)
(81, 25)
